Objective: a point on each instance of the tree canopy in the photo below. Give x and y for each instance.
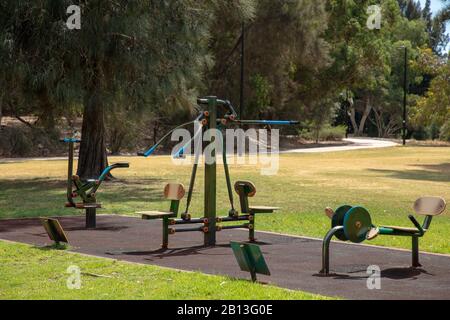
(133, 61)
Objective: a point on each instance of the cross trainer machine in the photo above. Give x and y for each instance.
(85, 190)
(354, 224)
(216, 114)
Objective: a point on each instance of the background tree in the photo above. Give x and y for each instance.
(277, 71)
(433, 109)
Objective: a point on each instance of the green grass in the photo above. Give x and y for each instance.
(37, 273)
(385, 181)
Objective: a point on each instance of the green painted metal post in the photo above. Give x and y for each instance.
(251, 228)
(210, 179)
(70, 171)
(253, 275)
(165, 242)
(415, 252)
(232, 212)
(91, 218)
(326, 249)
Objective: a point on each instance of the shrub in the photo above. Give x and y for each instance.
(445, 132)
(327, 133)
(420, 134)
(433, 131)
(20, 143)
(330, 133)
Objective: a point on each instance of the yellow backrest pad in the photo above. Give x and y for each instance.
(430, 206)
(174, 191)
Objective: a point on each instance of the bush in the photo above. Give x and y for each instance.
(420, 134)
(433, 131)
(327, 133)
(20, 143)
(330, 133)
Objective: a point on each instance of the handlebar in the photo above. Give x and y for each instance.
(269, 122)
(112, 167)
(219, 101)
(225, 103)
(121, 165)
(70, 140)
(416, 224)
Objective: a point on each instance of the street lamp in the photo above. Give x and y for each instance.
(405, 94)
(241, 106)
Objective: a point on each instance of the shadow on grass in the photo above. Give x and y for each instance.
(53, 247)
(431, 172)
(47, 197)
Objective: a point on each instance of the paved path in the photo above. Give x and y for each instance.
(355, 144)
(293, 261)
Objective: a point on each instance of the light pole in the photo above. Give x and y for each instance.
(405, 95)
(241, 106)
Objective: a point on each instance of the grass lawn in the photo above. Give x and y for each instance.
(385, 181)
(43, 275)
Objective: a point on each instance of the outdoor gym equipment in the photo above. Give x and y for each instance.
(213, 114)
(86, 190)
(250, 258)
(54, 230)
(207, 225)
(355, 224)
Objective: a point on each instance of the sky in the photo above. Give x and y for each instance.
(436, 5)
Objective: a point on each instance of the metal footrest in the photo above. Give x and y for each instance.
(84, 205)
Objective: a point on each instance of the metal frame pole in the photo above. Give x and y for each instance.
(415, 252)
(210, 178)
(70, 172)
(326, 250)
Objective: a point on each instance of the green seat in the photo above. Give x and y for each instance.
(174, 192)
(245, 190)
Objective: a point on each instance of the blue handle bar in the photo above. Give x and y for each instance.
(150, 151)
(69, 140)
(270, 122)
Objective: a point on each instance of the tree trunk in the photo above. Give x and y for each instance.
(93, 158)
(352, 115)
(366, 114)
(359, 129)
(47, 117)
(1, 114)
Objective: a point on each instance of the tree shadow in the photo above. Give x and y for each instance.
(431, 172)
(47, 197)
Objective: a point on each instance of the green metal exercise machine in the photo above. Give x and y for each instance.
(355, 224)
(214, 114)
(85, 190)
